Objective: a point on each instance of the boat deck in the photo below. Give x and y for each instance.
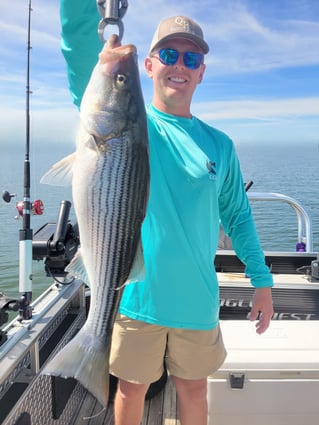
(28, 397)
(160, 410)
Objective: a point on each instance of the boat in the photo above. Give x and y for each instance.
(270, 378)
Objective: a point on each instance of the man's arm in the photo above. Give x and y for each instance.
(239, 225)
(80, 43)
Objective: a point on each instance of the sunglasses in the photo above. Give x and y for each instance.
(192, 60)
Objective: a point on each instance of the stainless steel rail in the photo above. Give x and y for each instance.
(304, 221)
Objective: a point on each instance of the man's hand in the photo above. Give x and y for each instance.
(262, 309)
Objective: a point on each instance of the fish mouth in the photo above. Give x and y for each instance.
(115, 55)
(114, 43)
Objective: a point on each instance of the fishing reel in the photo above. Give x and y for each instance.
(37, 206)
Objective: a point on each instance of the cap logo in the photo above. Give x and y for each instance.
(182, 22)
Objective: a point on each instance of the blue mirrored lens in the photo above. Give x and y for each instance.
(192, 60)
(168, 56)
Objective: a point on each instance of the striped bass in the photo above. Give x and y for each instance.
(110, 184)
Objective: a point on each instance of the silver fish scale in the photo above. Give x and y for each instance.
(116, 204)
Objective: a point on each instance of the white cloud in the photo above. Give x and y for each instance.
(268, 121)
(251, 109)
(243, 42)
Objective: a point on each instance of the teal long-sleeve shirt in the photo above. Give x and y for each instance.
(196, 183)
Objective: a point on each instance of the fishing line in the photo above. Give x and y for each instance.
(86, 418)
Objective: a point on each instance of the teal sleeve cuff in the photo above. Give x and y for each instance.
(247, 247)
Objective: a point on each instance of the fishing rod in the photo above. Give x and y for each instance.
(25, 207)
(55, 243)
(26, 233)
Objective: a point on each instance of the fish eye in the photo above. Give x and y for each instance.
(121, 80)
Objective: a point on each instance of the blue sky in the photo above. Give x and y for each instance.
(261, 83)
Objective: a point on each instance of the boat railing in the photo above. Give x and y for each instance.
(304, 220)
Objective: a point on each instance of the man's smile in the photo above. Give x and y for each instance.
(177, 79)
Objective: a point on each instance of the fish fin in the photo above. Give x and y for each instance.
(137, 272)
(84, 358)
(76, 268)
(60, 174)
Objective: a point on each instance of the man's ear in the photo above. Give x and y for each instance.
(202, 72)
(148, 67)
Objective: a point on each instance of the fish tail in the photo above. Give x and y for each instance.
(84, 359)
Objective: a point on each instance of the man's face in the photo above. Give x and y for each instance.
(174, 84)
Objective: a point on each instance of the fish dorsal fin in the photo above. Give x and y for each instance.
(77, 269)
(60, 174)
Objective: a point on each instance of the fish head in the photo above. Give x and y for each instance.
(113, 99)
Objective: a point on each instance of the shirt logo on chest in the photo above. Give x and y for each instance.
(211, 166)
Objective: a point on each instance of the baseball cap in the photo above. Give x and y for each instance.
(179, 26)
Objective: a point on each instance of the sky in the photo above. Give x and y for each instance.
(261, 83)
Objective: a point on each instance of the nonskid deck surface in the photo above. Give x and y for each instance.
(160, 410)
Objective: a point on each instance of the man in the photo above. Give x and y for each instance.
(195, 183)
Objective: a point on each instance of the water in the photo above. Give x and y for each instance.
(288, 169)
(291, 170)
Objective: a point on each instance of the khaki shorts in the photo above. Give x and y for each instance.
(139, 349)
